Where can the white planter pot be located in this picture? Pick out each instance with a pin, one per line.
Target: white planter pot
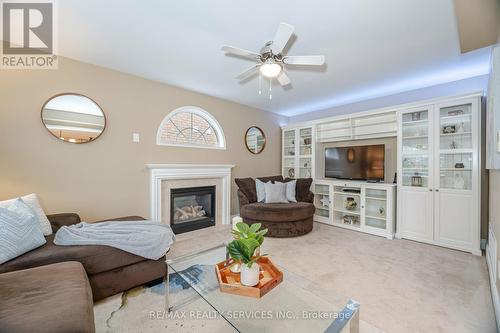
(250, 276)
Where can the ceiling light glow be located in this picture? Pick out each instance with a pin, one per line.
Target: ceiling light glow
(270, 69)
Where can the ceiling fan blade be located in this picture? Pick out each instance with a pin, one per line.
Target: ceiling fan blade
(249, 72)
(282, 37)
(240, 52)
(283, 79)
(304, 60)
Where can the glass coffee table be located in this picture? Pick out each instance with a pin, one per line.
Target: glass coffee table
(295, 305)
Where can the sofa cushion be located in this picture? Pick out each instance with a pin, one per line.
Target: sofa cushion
(302, 189)
(95, 258)
(278, 212)
(53, 299)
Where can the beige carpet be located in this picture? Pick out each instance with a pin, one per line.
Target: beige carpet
(402, 286)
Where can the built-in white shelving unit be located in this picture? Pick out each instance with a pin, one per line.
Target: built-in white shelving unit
(439, 169)
(360, 206)
(359, 126)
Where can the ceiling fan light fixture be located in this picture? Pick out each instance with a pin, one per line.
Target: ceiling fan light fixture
(270, 69)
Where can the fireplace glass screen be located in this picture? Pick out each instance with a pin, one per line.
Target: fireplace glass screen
(192, 208)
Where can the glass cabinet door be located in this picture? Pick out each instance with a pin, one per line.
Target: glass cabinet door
(375, 208)
(415, 148)
(306, 141)
(305, 152)
(289, 145)
(455, 147)
(322, 200)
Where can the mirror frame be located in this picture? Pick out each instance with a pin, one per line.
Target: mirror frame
(263, 134)
(76, 94)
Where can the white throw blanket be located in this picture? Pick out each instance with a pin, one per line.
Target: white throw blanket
(143, 238)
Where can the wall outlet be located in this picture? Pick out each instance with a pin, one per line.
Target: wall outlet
(136, 137)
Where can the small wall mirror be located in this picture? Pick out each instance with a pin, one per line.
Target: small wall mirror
(73, 118)
(255, 140)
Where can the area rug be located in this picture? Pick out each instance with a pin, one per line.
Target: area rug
(143, 309)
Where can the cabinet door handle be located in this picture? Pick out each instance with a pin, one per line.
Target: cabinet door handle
(430, 190)
(437, 190)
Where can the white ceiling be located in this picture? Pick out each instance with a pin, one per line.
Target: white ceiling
(372, 47)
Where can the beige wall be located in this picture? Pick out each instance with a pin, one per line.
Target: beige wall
(108, 177)
(390, 154)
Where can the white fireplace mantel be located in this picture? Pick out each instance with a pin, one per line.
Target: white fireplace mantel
(165, 172)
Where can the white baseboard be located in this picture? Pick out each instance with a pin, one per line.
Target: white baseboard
(493, 266)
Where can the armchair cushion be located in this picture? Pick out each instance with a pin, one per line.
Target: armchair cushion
(303, 189)
(242, 198)
(248, 187)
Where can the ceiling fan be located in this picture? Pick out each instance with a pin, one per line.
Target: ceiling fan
(271, 61)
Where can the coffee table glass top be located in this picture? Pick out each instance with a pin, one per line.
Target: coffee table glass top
(294, 305)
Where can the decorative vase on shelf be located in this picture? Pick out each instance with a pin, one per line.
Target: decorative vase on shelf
(250, 276)
(350, 203)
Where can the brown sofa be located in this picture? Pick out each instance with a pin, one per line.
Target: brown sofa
(109, 270)
(281, 219)
(53, 298)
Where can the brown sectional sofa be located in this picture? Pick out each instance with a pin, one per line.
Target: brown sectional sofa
(109, 270)
(281, 219)
(52, 288)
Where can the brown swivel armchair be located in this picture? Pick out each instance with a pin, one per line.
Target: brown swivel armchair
(281, 219)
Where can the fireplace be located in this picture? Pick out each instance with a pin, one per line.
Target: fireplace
(192, 208)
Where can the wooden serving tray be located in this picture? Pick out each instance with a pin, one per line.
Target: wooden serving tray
(229, 282)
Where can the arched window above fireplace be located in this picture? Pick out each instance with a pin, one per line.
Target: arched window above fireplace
(190, 126)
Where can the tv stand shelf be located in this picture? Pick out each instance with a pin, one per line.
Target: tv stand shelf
(372, 210)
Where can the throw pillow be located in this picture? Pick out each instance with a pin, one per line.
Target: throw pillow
(247, 186)
(290, 191)
(19, 231)
(271, 179)
(261, 190)
(302, 189)
(32, 201)
(276, 193)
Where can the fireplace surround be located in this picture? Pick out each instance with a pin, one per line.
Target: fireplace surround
(163, 177)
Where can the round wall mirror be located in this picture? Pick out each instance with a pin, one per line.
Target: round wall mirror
(73, 118)
(255, 140)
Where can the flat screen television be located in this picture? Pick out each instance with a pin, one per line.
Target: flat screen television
(356, 162)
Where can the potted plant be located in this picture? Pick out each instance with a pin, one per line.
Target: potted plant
(243, 230)
(244, 249)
